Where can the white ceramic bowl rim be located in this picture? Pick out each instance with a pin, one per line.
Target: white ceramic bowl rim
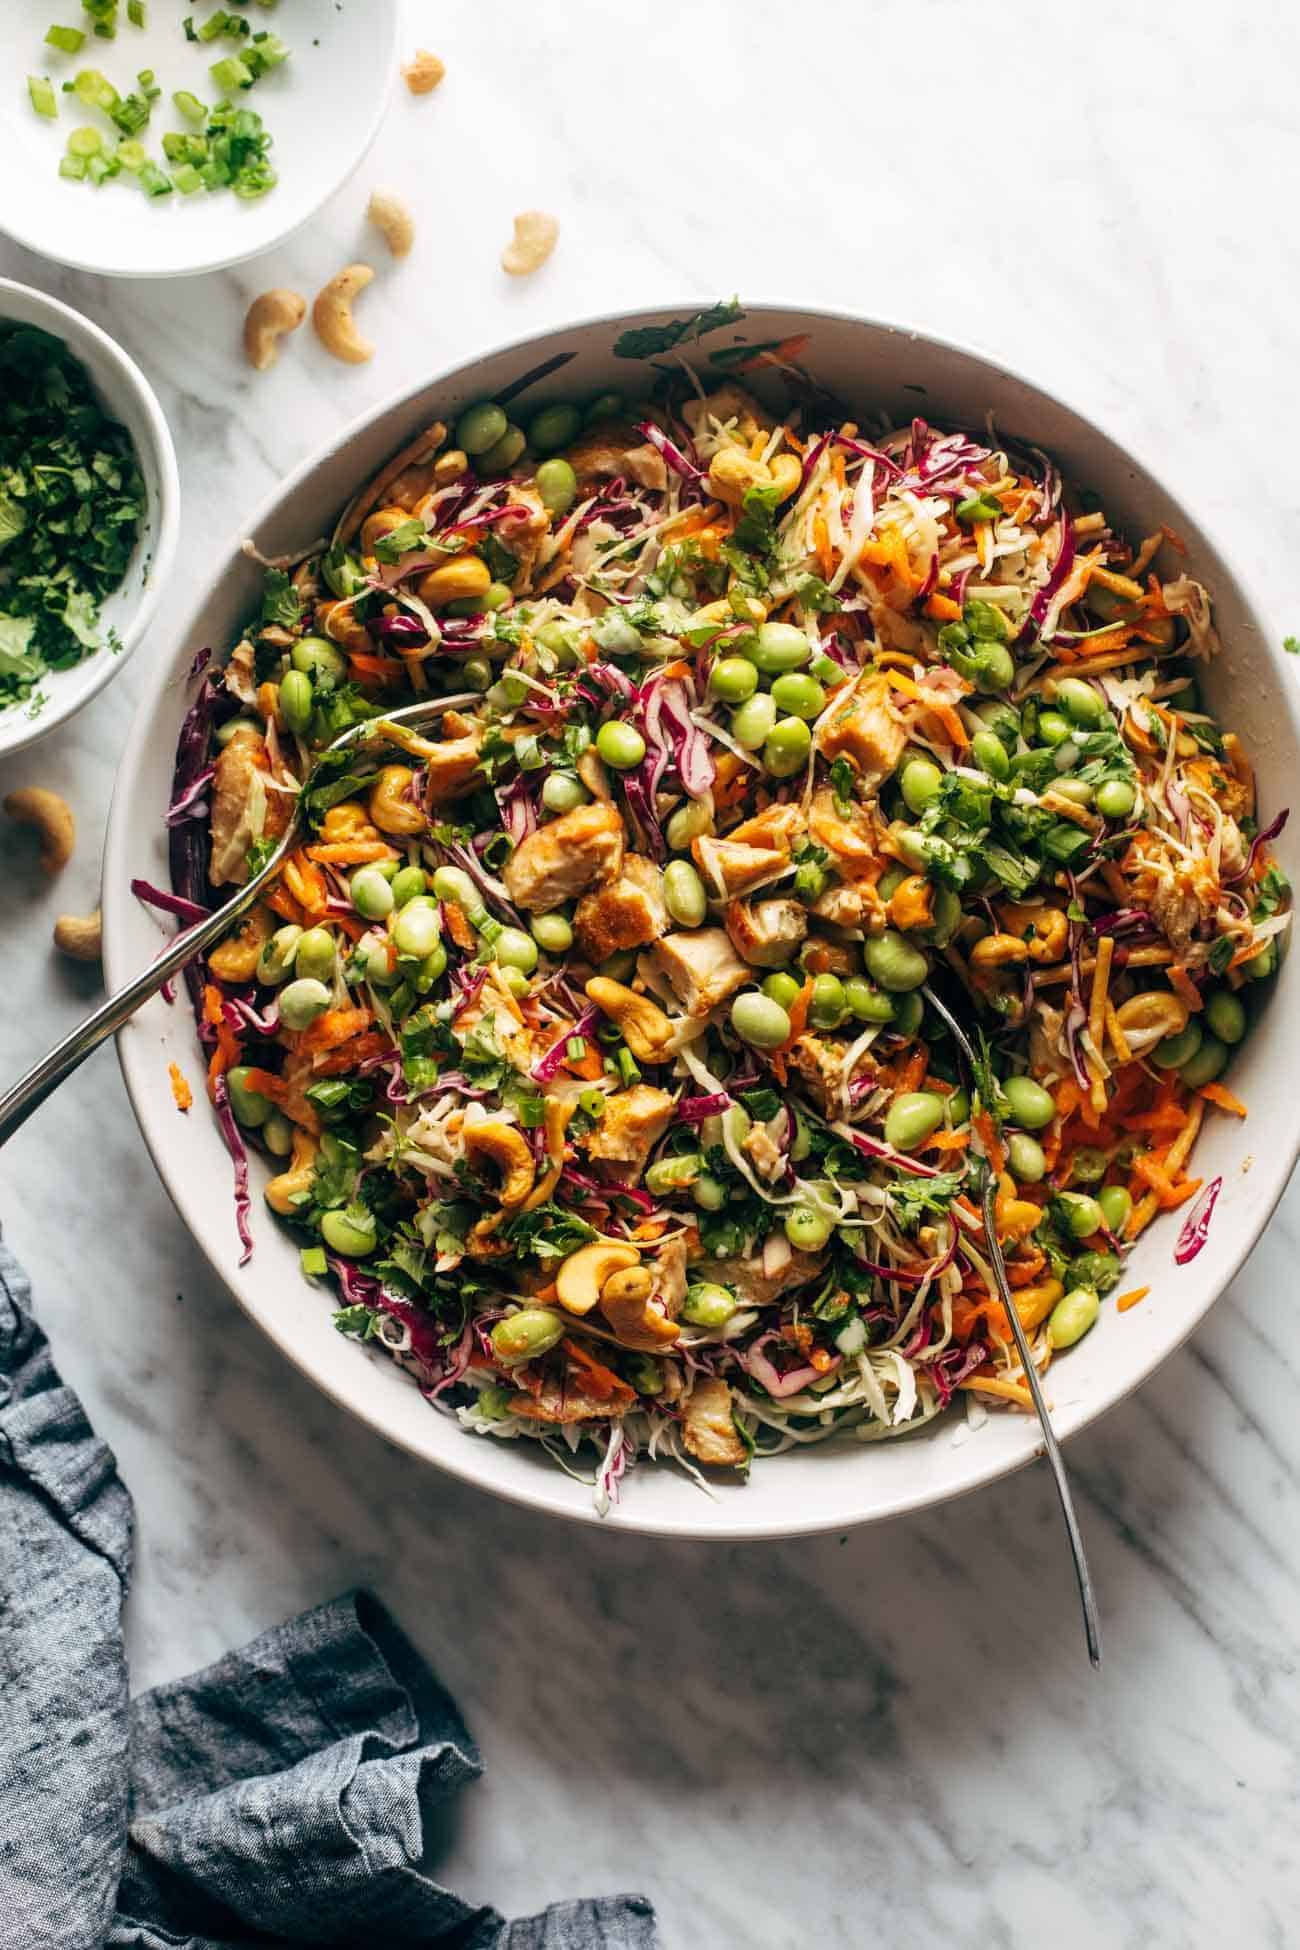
(756, 1511)
(75, 687)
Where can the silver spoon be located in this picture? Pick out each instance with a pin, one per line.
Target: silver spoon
(22, 1098)
(989, 1191)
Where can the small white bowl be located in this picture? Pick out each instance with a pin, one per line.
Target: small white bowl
(323, 108)
(126, 394)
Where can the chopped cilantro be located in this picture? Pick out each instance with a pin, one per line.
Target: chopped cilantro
(911, 1198)
(281, 602)
(644, 341)
(1292, 645)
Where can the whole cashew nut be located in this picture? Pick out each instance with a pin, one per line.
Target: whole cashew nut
(284, 1193)
(265, 323)
(50, 817)
(534, 239)
(393, 220)
(423, 73)
(390, 810)
(507, 1148)
(332, 319)
(79, 935)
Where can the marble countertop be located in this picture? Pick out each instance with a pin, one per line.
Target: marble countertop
(891, 1735)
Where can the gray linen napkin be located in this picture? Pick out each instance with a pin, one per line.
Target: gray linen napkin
(281, 1796)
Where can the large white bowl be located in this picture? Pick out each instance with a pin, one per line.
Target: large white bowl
(323, 109)
(126, 394)
(874, 366)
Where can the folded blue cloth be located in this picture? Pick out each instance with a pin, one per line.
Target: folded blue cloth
(280, 1796)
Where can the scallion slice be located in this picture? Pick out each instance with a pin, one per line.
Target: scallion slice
(44, 100)
(69, 40)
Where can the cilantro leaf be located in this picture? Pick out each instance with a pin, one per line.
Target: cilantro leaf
(911, 1198)
(281, 602)
(644, 341)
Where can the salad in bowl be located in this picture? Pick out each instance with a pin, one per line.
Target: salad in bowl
(587, 1034)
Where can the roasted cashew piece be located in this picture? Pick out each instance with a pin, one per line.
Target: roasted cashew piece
(582, 1277)
(267, 320)
(732, 474)
(1148, 1018)
(393, 220)
(997, 951)
(236, 959)
(1045, 929)
(534, 240)
(423, 73)
(281, 1192)
(506, 1147)
(331, 315)
(79, 935)
(390, 810)
(50, 817)
(646, 1029)
(555, 1124)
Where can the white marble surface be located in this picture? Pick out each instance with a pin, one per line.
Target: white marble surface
(891, 1736)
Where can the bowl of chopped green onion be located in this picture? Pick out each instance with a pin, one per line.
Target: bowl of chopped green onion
(89, 511)
(154, 142)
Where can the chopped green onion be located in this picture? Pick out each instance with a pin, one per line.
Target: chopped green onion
(148, 85)
(575, 1049)
(231, 72)
(85, 143)
(43, 97)
(129, 114)
(313, 1262)
(189, 106)
(267, 52)
(104, 15)
(69, 40)
(93, 89)
(181, 148)
(627, 1068)
(99, 169)
(187, 179)
(74, 167)
(135, 13)
(154, 182)
(132, 156)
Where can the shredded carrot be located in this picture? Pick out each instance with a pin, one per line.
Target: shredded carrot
(598, 1380)
(783, 354)
(822, 548)
(799, 1014)
(458, 926)
(942, 710)
(1100, 985)
(590, 1066)
(692, 520)
(650, 1229)
(1141, 1216)
(944, 1141)
(1131, 1298)
(1174, 539)
(912, 1074)
(1115, 1029)
(942, 608)
(265, 1083)
(1184, 987)
(284, 904)
(1004, 1391)
(1214, 1093)
(306, 883)
(989, 1138)
(368, 669)
(181, 1092)
(226, 1054)
(351, 853)
(334, 1027)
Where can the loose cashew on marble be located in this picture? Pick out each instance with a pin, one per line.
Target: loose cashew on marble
(535, 238)
(332, 319)
(79, 935)
(393, 219)
(423, 72)
(267, 320)
(50, 817)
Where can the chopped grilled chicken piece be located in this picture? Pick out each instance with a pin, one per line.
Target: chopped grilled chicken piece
(525, 539)
(610, 448)
(702, 966)
(776, 826)
(764, 1153)
(851, 904)
(627, 913)
(565, 857)
(767, 932)
(866, 732)
(245, 807)
(707, 1426)
(755, 1287)
(729, 867)
(851, 836)
(633, 1123)
(453, 769)
(584, 1390)
(670, 1276)
(730, 407)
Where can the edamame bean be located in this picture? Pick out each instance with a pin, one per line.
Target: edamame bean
(920, 784)
(947, 917)
(786, 749)
(416, 931)
(992, 666)
(806, 1229)
(515, 949)
(1083, 1214)
(302, 1002)
(557, 484)
(827, 1006)
(408, 884)
(865, 1000)
(552, 932)
(1088, 1165)
(276, 958)
(562, 792)
(605, 406)
(1053, 729)
(560, 638)
(684, 895)
(894, 963)
(250, 1106)
(708, 1305)
(620, 967)
(687, 823)
(709, 1193)
(733, 679)
(645, 1374)
(781, 987)
(553, 427)
(752, 722)
(296, 700)
(1026, 1158)
(615, 634)
(958, 1109)
(480, 427)
(801, 1143)
(1079, 702)
(1116, 1205)
(802, 696)
(908, 1011)
(825, 669)
(913, 1117)
(376, 964)
(316, 955)
(454, 884)
(1028, 1104)
(1262, 965)
(476, 674)
(525, 1335)
(1225, 1015)
(1174, 1051)
(990, 754)
(1100, 1271)
(673, 1174)
(503, 453)
(1115, 798)
(758, 1020)
(1210, 1059)
(372, 896)
(777, 647)
(620, 745)
(1072, 1316)
(1077, 790)
(510, 978)
(319, 659)
(339, 1233)
(277, 1135)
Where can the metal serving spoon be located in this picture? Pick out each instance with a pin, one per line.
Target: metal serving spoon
(989, 1190)
(22, 1098)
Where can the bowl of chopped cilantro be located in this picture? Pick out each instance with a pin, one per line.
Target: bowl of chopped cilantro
(89, 502)
(153, 140)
